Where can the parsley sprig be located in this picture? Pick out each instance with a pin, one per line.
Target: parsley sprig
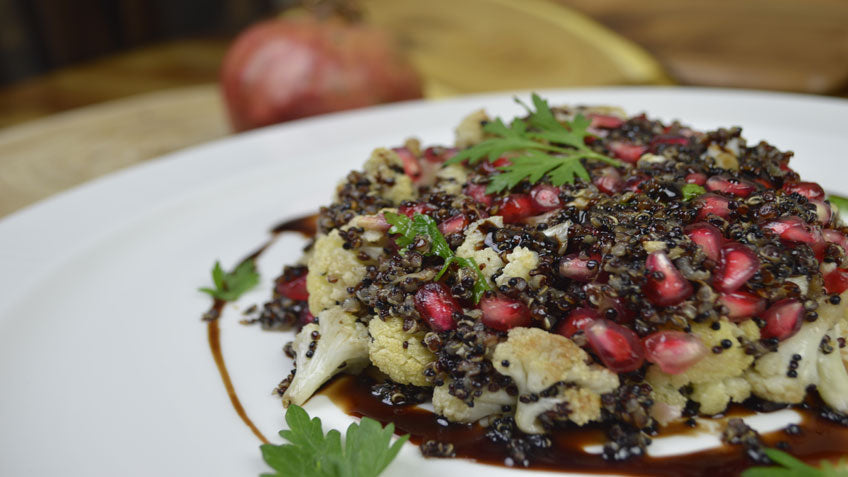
(424, 225)
(789, 466)
(231, 285)
(545, 147)
(367, 450)
(692, 191)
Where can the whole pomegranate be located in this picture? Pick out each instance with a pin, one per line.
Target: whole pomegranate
(292, 67)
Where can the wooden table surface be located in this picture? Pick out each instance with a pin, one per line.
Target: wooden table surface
(168, 99)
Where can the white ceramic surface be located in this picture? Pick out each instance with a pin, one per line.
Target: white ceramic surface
(104, 363)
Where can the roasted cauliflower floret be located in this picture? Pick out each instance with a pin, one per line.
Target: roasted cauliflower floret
(475, 247)
(341, 344)
(713, 377)
(457, 410)
(398, 353)
(769, 376)
(332, 270)
(450, 179)
(519, 264)
(470, 129)
(552, 374)
(385, 168)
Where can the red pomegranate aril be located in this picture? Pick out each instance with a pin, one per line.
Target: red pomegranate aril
(605, 121)
(665, 285)
(294, 289)
(453, 225)
(411, 166)
(707, 237)
(439, 154)
(713, 204)
(667, 139)
(515, 207)
(737, 265)
(836, 281)
(492, 167)
(794, 229)
(783, 319)
(582, 269)
(673, 351)
(730, 185)
(608, 180)
(503, 313)
(478, 193)
(837, 237)
(577, 320)
(410, 210)
(306, 317)
(742, 305)
(810, 190)
(545, 198)
(634, 183)
(434, 303)
(696, 178)
(618, 347)
(823, 211)
(627, 152)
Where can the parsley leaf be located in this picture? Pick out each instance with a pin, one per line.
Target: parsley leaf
(547, 148)
(231, 285)
(367, 451)
(791, 467)
(424, 225)
(691, 191)
(841, 203)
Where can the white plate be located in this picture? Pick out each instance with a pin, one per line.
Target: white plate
(104, 363)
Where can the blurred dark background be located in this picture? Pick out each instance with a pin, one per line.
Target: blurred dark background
(37, 36)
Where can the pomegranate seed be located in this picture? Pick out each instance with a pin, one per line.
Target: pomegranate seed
(439, 154)
(730, 185)
(618, 347)
(626, 151)
(411, 166)
(453, 225)
(696, 178)
(582, 269)
(634, 183)
(410, 210)
(373, 222)
(763, 182)
(515, 207)
(823, 211)
(742, 305)
(783, 319)
(836, 281)
(545, 198)
(673, 351)
(707, 237)
(608, 180)
(835, 236)
(810, 190)
(605, 121)
(713, 204)
(667, 139)
(294, 289)
(737, 264)
(306, 317)
(492, 167)
(502, 313)
(794, 229)
(576, 321)
(435, 304)
(478, 193)
(665, 286)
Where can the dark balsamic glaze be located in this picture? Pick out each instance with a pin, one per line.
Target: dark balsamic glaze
(306, 226)
(819, 438)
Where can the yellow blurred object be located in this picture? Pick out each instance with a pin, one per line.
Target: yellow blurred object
(491, 45)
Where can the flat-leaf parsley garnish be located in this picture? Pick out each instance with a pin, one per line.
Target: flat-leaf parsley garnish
(691, 191)
(424, 225)
(544, 145)
(367, 451)
(231, 285)
(792, 467)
